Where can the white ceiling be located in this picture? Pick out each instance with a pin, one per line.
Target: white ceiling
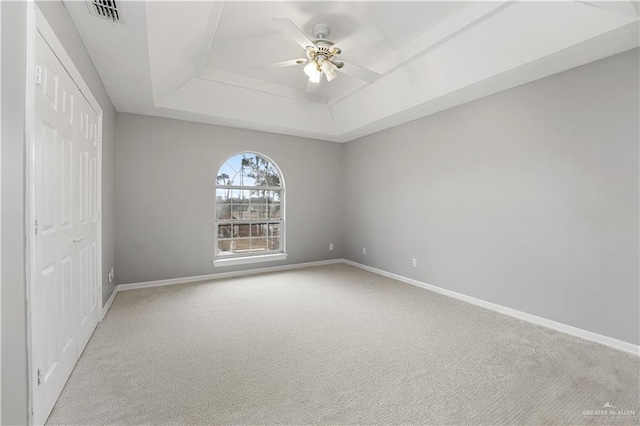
(195, 60)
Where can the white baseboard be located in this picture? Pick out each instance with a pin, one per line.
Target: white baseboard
(564, 328)
(159, 283)
(106, 307)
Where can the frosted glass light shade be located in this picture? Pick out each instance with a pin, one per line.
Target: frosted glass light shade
(311, 70)
(329, 70)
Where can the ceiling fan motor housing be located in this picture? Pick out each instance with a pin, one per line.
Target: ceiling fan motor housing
(320, 30)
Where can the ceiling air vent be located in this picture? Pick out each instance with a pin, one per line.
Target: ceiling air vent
(107, 9)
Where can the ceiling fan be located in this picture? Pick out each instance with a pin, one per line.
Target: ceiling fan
(323, 57)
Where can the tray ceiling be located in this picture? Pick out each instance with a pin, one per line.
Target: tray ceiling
(195, 60)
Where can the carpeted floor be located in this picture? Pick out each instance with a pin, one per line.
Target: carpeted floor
(335, 345)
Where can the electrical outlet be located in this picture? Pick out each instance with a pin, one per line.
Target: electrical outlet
(414, 262)
(330, 246)
(111, 276)
(364, 250)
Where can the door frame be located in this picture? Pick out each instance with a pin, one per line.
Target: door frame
(37, 24)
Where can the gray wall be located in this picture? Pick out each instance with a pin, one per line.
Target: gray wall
(165, 186)
(14, 31)
(14, 326)
(527, 198)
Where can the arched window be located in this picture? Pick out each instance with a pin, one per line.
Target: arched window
(249, 210)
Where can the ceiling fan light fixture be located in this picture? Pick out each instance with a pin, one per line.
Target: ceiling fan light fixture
(312, 71)
(329, 70)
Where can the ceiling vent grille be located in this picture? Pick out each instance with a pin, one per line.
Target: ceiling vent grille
(107, 9)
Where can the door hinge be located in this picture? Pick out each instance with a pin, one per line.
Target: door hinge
(99, 140)
(38, 74)
(99, 216)
(36, 226)
(39, 376)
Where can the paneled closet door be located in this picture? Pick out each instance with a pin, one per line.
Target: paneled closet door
(64, 299)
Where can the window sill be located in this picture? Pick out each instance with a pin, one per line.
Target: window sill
(249, 259)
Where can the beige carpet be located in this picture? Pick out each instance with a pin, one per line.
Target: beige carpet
(334, 345)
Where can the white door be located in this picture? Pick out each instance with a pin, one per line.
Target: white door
(64, 280)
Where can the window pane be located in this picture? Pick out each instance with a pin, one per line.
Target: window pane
(272, 179)
(267, 197)
(261, 180)
(224, 231)
(224, 247)
(248, 179)
(251, 213)
(257, 196)
(240, 245)
(240, 211)
(277, 197)
(274, 244)
(258, 244)
(224, 175)
(272, 197)
(274, 229)
(223, 195)
(243, 177)
(223, 211)
(259, 230)
(275, 212)
(241, 231)
(260, 211)
(235, 178)
(240, 196)
(271, 174)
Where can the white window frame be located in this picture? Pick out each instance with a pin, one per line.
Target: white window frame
(249, 258)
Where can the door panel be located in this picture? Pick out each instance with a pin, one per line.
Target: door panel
(67, 304)
(66, 180)
(83, 167)
(45, 153)
(50, 75)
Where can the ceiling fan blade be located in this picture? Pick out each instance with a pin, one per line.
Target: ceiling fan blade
(282, 64)
(296, 33)
(368, 36)
(357, 71)
(312, 87)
